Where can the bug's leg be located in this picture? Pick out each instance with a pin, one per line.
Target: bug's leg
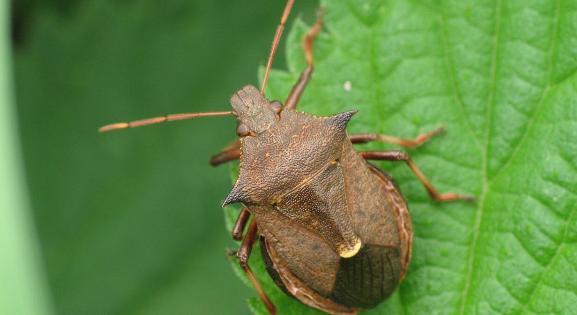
(402, 156)
(298, 89)
(243, 254)
(240, 223)
(225, 156)
(407, 143)
(230, 153)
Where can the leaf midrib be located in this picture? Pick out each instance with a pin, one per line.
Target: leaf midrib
(485, 162)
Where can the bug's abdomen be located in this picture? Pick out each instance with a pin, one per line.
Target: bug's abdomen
(361, 282)
(368, 278)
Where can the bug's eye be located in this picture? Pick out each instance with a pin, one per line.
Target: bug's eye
(276, 106)
(242, 130)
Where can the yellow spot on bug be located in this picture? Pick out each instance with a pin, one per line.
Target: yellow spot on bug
(348, 253)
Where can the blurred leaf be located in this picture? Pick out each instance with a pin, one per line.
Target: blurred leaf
(22, 283)
(500, 75)
(130, 222)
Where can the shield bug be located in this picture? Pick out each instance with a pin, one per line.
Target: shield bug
(334, 230)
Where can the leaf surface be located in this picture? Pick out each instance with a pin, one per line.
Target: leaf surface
(23, 287)
(130, 222)
(500, 76)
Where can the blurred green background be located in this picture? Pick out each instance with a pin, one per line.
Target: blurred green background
(129, 222)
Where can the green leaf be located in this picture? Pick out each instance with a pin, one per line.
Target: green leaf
(22, 283)
(130, 222)
(500, 75)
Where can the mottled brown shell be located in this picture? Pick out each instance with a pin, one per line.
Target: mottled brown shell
(309, 271)
(292, 168)
(335, 230)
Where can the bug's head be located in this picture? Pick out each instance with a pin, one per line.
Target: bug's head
(254, 113)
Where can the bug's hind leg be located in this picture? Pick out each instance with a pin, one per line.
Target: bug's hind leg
(243, 254)
(407, 143)
(298, 89)
(402, 156)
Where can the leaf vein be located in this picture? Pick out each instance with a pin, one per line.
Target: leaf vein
(546, 90)
(479, 215)
(451, 71)
(551, 261)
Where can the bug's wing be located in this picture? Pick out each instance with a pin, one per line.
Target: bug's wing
(305, 253)
(373, 202)
(293, 285)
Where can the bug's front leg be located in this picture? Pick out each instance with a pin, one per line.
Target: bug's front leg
(230, 153)
(243, 254)
(298, 89)
(240, 224)
(402, 156)
(407, 143)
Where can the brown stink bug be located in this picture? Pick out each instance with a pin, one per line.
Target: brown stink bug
(335, 231)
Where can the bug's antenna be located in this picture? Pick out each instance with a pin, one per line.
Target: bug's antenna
(160, 119)
(277, 35)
